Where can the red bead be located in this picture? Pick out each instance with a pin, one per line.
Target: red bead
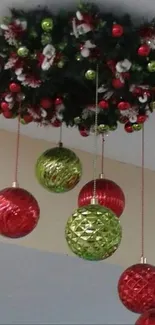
(84, 132)
(19, 212)
(56, 123)
(4, 106)
(136, 288)
(15, 87)
(8, 114)
(148, 318)
(117, 30)
(117, 83)
(58, 101)
(128, 127)
(103, 104)
(141, 118)
(46, 103)
(144, 50)
(123, 106)
(108, 193)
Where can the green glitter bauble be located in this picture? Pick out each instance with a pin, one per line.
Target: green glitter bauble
(58, 170)
(93, 232)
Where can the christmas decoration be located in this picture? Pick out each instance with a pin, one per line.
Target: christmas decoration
(136, 288)
(58, 170)
(93, 232)
(108, 194)
(44, 64)
(19, 212)
(148, 318)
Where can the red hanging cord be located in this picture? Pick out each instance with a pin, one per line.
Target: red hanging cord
(143, 259)
(15, 183)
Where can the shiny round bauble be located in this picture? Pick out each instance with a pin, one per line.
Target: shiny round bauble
(151, 66)
(102, 128)
(123, 106)
(148, 318)
(19, 212)
(47, 24)
(26, 119)
(117, 30)
(113, 127)
(108, 194)
(141, 119)
(128, 127)
(117, 83)
(137, 127)
(9, 114)
(5, 106)
(90, 74)
(56, 123)
(58, 170)
(77, 120)
(58, 101)
(136, 288)
(46, 103)
(61, 64)
(84, 132)
(15, 87)
(144, 50)
(46, 39)
(103, 104)
(93, 232)
(23, 51)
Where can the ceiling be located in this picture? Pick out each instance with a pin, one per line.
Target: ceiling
(119, 145)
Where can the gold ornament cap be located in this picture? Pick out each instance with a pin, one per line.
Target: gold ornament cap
(101, 176)
(143, 260)
(94, 200)
(15, 184)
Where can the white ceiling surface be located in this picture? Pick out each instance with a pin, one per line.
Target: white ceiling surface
(119, 145)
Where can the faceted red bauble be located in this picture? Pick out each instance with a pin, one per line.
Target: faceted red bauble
(103, 104)
(148, 318)
(136, 288)
(123, 106)
(27, 118)
(8, 114)
(46, 103)
(128, 127)
(19, 212)
(141, 118)
(5, 106)
(56, 123)
(84, 132)
(144, 50)
(117, 83)
(15, 87)
(117, 30)
(108, 193)
(58, 101)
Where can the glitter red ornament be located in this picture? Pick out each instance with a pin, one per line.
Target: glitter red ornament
(148, 318)
(27, 118)
(144, 50)
(117, 30)
(123, 106)
(56, 123)
(15, 87)
(117, 83)
(141, 118)
(103, 104)
(8, 114)
(136, 288)
(108, 194)
(84, 132)
(46, 103)
(19, 212)
(128, 127)
(5, 106)
(58, 101)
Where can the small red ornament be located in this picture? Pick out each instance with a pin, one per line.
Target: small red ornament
(141, 118)
(19, 212)
(103, 104)
(128, 127)
(144, 50)
(58, 101)
(8, 114)
(5, 106)
(84, 132)
(137, 91)
(108, 193)
(56, 123)
(148, 318)
(123, 106)
(15, 87)
(117, 83)
(136, 288)
(27, 118)
(46, 103)
(117, 30)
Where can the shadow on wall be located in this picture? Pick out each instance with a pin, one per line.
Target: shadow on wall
(44, 288)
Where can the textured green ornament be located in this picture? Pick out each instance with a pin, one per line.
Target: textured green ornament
(93, 232)
(151, 66)
(137, 127)
(90, 74)
(23, 51)
(61, 64)
(113, 127)
(102, 128)
(77, 120)
(58, 170)
(47, 24)
(33, 33)
(62, 45)
(46, 39)
(152, 105)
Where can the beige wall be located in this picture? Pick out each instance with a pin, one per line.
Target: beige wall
(56, 208)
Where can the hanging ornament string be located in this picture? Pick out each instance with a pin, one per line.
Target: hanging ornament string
(102, 157)
(60, 139)
(143, 259)
(95, 138)
(15, 183)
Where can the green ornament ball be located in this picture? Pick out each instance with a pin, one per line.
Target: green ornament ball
(78, 57)
(93, 232)
(103, 128)
(151, 66)
(47, 24)
(23, 51)
(77, 120)
(58, 170)
(46, 39)
(137, 127)
(60, 64)
(113, 127)
(90, 74)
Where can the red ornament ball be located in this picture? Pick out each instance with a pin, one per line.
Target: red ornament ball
(5, 106)
(103, 104)
(15, 87)
(123, 106)
(19, 212)
(128, 127)
(8, 114)
(136, 288)
(84, 132)
(141, 118)
(108, 193)
(56, 123)
(148, 318)
(58, 101)
(117, 30)
(144, 50)
(27, 118)
(117, 83)
(46, 103)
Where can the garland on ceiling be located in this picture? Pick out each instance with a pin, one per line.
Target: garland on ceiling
(48, 62)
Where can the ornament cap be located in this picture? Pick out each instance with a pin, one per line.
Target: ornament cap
(101, 176)
(94, 200)
(60, 144)
(15, 184)
(143, 260)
